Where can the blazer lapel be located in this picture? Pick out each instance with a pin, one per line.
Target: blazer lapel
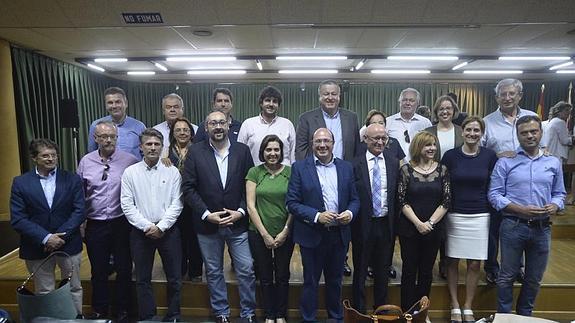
(319, 121)
(60, 186)
(212, 163)
(37, 190)
(365, 177)
(232, 163)
(310, 166)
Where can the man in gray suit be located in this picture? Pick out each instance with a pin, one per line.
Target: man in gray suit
(341, 122)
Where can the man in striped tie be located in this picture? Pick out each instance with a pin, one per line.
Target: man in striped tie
(376, 174)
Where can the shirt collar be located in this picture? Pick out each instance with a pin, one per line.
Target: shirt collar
(318, 162)
(264, 120)
(521, 151)
(371, 156)
(155, 167)
(227, 147)
(50, 174)
(326, 115)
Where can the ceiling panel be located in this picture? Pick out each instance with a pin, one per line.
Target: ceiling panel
(346, 12)
(295, 11)
(287, 39)
(89, 13)
(242, 12)
(159, 37)
(31, 13)
(218, 40)
(450, 11)
(426, 38)
(393, 12)
(253, 38)
(380, 39)
(31, 39)
(338, 38)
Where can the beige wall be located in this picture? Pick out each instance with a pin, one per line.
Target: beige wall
(10, 157)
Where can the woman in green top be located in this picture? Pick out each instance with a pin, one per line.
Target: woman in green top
(269, 235)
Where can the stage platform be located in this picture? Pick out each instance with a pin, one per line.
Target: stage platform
(556, 299)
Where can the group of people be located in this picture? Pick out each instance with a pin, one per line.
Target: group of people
(263, 185)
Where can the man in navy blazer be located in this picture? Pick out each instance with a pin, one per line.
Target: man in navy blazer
(47, 209)
(372, 230)
(323, 199)
(214, 187)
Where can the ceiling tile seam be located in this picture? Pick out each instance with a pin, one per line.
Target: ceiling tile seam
(184, 38)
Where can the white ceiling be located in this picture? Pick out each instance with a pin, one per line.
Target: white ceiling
(477, 31)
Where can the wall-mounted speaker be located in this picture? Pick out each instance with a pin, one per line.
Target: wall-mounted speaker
(69, 113)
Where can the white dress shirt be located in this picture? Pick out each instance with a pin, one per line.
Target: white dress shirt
(396, 127)
(151, 195)
(556, 138)
(254, 130)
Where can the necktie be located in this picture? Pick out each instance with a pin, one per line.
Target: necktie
(376, 188)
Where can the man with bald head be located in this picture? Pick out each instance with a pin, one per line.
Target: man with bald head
(376, 174)
(214, 187)
(323, 199)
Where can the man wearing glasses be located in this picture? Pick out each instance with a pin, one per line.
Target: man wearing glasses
(501, 136)
(107, 231)
(406, 123)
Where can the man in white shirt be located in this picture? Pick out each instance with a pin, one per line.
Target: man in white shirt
(405, 124)
(150, 198)
(268, 122)
(173, 108)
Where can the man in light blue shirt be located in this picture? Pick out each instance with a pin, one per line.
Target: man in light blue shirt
(129, 129)
(501, 136)
(527, 189)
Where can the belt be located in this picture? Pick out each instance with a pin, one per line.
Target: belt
(332, 228)
(379, 218)
(545, 222)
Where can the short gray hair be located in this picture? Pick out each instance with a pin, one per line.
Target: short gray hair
(508, 82)
(173, 96)
(327, 82)
(410, 89)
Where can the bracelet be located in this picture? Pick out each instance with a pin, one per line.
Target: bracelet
(286, 227)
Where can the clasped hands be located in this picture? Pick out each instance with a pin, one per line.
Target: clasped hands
(154, 232)
(535, 211)
(279, 240)
(55, 242)
(224, 218)
(328, 218)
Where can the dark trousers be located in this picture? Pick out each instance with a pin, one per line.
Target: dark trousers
(104, 238)
(418, 255)
(143, 251)
(327, 257)
(491, 265)
(192, 261)
(272, 264)
(373, 249)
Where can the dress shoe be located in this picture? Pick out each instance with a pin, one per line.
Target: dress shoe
(80, 316)
(270, 321)
(281, 320)
(346, 269)
(249, 319)
(122, 317)
(370, 273)
(491, 278)
(392, 273)
(95, 316)
(222, 319)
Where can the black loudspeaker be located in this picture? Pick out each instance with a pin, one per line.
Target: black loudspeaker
(69, 113)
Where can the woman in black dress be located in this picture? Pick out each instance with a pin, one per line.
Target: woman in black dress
(424, 198)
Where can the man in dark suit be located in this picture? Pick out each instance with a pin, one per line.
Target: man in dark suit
(214, 187)
(323, 199)
(47, 209)
(342, 123)
(222, 101)
(376, 174)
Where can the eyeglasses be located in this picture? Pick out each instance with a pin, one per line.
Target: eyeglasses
(376, 139)
(105, 174)
(511, 95)
(215, 123)
(106, 137)
(184, 130)
(406, 135)
(322, 141)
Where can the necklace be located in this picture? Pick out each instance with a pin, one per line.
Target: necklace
(426, 170)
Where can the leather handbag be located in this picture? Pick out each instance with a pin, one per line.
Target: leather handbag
(57, 304)
(388, 313)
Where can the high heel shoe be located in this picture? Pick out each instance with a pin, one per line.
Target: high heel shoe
(468, 316)
(456, 315)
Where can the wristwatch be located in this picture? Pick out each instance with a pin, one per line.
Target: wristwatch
(432, 223)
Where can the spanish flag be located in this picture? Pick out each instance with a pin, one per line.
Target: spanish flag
(541, 105)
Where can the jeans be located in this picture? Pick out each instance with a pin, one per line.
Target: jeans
(272, 264)
(516, 238)
(212, 247)
(491, 265)
(143, 251)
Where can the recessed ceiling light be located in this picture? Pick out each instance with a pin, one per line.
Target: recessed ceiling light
(492, 72)
(200, 58)
(96, 67)
(141, 73)
(111, 60)
(160, 66)
(423, 58)
(458, 66)
(533, 58)
(400, 71)
(307, 71)
(202, 32)
(217, 72)
(310, 58)
(554, 67)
